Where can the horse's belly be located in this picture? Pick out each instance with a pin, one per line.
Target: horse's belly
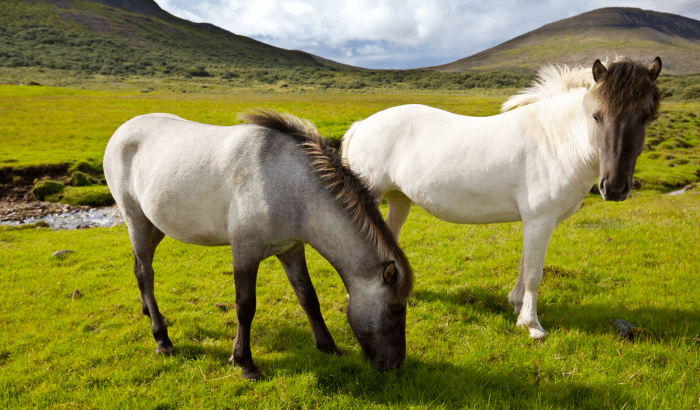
(188, 216)
(474, 209)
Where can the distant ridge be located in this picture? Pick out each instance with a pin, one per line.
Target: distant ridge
(634, 33)
(145, 7)
(128, 36)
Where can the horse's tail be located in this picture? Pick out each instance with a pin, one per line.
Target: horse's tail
(115, 213)
(345, 142)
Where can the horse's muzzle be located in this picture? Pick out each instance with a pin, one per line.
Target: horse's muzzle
(614, 191)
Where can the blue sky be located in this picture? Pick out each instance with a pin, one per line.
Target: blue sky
(394, 34)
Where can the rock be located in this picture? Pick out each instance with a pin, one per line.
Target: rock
(61, 254)
(628, 331)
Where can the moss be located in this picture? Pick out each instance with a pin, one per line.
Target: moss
(78, 178)
(85, 167)
(35, 225)
(89, 195)
(47, 187)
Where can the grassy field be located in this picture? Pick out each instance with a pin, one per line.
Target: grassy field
(635, 260)
(50, 125)
(53, 125)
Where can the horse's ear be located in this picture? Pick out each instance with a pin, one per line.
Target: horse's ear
(654, 68)
(598, 70)
(389, 272)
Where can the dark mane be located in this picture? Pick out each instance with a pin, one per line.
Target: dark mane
(349, 190)
(627, 86)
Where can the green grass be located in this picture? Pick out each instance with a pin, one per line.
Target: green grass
(48, 125)
(635, 260)
(95, 195)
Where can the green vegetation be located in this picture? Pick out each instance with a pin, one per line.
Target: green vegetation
(46, 125)
(635, 260)
(84, 195)
(42, 189)
(90, 37)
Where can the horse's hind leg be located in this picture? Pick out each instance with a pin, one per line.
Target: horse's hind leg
(145, 237)
(515, 297)
(399, 207)
(294, 263)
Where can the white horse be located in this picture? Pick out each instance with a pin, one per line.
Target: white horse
(264, 189)
(535, 163)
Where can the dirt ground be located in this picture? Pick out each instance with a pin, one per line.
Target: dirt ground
(17, 202)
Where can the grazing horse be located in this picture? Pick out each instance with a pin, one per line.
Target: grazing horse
(535, 163)
(264, 188)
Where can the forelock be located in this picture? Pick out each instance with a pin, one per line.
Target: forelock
(625, 87)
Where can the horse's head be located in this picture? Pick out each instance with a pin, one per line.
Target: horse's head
(377, 315)
(627, 99)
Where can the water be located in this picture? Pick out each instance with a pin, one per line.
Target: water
(96, 217)
(680, 191)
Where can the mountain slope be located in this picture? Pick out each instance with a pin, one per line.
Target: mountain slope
(580, 40)
(126, 37)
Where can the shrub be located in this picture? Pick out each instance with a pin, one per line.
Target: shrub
(44, 188)
(92, 196)
(692, 92)
(77, 178)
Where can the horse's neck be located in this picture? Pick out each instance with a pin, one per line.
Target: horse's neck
(339, 240)
(561, 123)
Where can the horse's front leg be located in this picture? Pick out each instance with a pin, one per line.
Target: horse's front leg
(536, 236)
(245, 273)
(294, 263)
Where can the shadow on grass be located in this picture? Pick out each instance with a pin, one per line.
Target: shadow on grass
(665, 324)
(433, 384)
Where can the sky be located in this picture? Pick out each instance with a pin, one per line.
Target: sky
(394, 34)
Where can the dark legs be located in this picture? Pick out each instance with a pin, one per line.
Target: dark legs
(145, 237)
(245, 273)
(294, 263)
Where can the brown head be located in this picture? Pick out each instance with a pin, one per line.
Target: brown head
(377, 297)
(627, 101)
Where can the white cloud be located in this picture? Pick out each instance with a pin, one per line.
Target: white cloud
(388, 32)
(298, 8)
(176, 10)
(370, 49)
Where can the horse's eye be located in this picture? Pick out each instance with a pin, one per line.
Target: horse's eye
(644, 118)
(397, 310)
(596, 117)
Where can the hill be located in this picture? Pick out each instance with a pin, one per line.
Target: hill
(128, 37)
(580, 40)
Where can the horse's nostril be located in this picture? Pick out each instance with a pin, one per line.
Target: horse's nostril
(601, 186)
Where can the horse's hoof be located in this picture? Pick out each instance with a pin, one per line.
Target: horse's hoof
(165, 350)
(536, 330)
(252, 375)
(538, 334)
(330, 349)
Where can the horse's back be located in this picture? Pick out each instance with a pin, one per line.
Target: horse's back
(198, 183)
(444, 162)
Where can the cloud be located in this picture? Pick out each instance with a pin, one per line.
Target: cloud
(298, 8)
(176, 10)
(371, 49)
(386, 33)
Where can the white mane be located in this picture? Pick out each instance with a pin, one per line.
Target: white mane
(551, 80)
